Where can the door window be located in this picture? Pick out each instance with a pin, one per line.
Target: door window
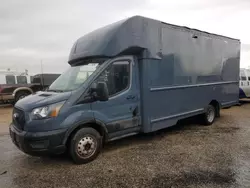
(117, 77)
(10, 79)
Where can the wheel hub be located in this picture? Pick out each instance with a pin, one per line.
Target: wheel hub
(210, 115)
(86, 147)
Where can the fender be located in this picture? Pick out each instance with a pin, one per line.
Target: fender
(80, 123)
(22, 89)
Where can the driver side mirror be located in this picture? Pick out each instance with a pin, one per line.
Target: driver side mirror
(101, 90)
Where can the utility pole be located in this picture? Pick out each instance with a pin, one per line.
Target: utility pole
(42, 79)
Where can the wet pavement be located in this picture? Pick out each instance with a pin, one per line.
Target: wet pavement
(186, 155)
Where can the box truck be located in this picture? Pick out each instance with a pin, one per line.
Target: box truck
(148, 75)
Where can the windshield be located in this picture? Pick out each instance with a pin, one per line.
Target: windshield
(73, 78)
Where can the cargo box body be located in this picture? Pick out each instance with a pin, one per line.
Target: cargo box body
(194, 69)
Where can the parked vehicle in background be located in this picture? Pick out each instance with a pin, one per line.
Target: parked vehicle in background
(14, 77)
(17, 85)
(244, 83)
(44, 80)
(148, 75)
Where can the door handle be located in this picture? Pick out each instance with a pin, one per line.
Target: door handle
(130, 97)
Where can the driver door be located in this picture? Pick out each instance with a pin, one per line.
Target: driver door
(121, 112)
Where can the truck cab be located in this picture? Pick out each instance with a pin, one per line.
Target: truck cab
(102, 97)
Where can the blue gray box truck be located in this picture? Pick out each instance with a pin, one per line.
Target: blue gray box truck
(134, 76)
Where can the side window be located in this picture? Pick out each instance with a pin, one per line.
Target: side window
(244, 78)
(10, 79)
(21, 79)
(36, 80)
(116, 76)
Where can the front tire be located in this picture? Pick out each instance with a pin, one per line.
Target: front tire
(21, 95)
(209, 116)
(85, 145)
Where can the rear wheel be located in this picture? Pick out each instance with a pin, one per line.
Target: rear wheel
(85, 145)
(209, 116)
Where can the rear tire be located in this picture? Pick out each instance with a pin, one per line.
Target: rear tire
(209, 115)
(85, 145)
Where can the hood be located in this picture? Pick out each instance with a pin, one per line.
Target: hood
(41, 99)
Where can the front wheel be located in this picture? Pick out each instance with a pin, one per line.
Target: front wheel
(209, 116)
(85, 145)
(20, 95)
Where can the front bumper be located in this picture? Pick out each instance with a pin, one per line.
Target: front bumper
(38, 143)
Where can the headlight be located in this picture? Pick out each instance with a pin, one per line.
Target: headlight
(47, 111)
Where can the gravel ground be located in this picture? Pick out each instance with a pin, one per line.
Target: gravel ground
(5, 118)
(186, 155)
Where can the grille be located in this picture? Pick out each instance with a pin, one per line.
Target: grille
(18, 118)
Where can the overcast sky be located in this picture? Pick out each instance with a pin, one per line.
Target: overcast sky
(34, 31)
